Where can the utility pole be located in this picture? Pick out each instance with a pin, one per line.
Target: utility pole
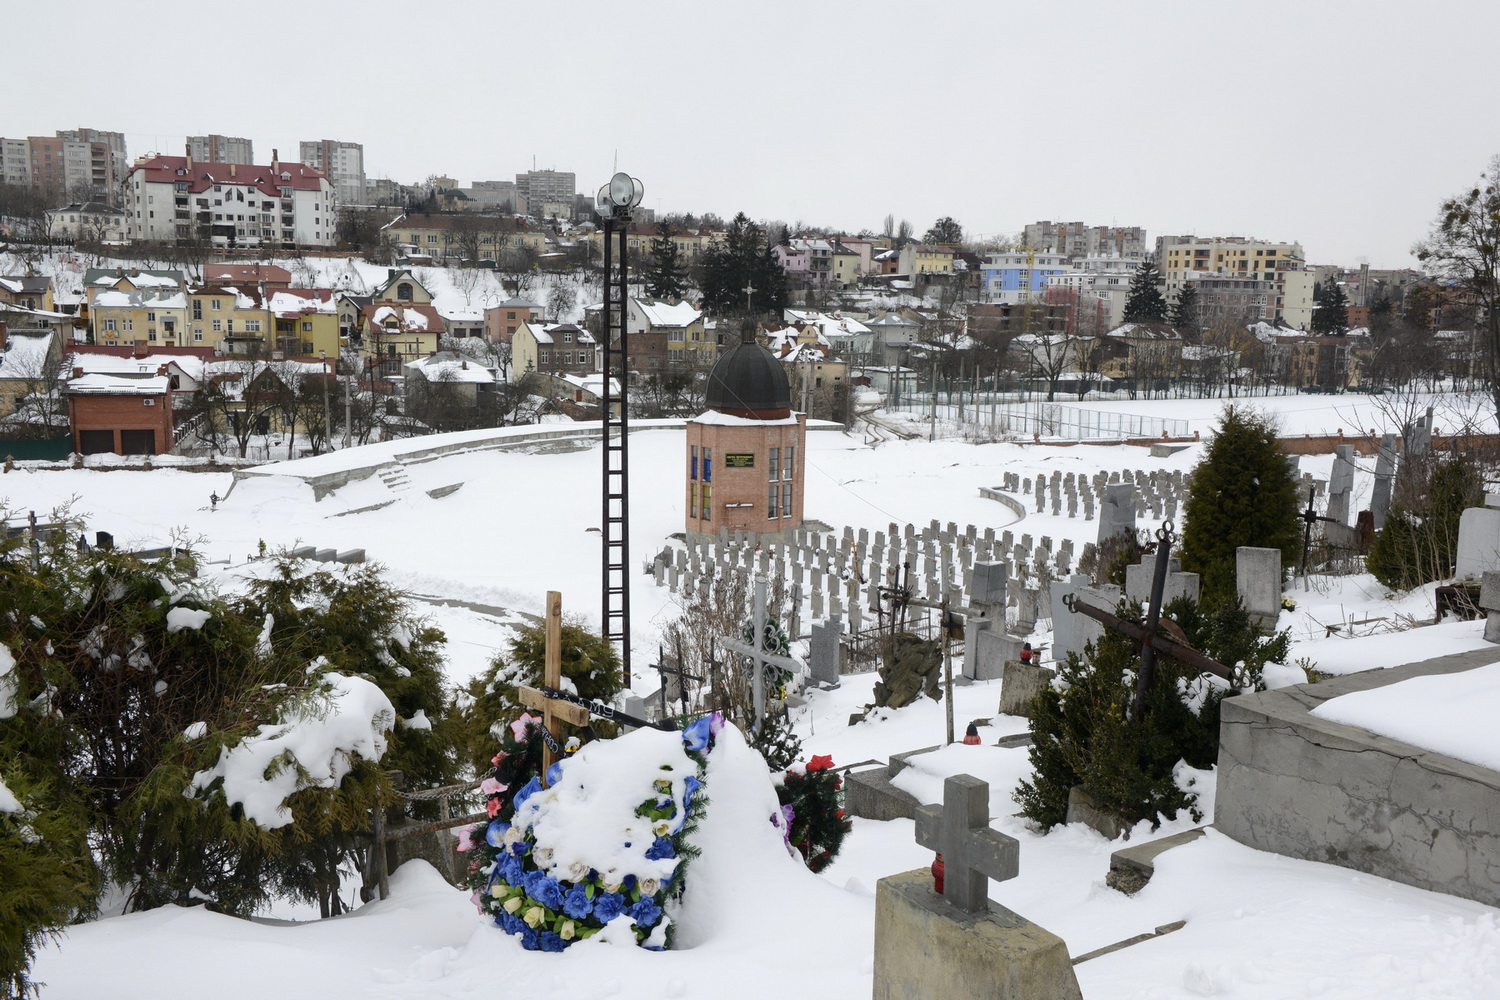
(348, 408)
(932, 431)
(327, 414)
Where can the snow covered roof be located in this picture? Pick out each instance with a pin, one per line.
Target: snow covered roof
(666, 314)
(110, 364)
(296, 301)
(409, 317)
(119, 385)
(1144, 331)
(139, 299)
(444, 367)
(24, 357)
(836, 325)
(718, 419)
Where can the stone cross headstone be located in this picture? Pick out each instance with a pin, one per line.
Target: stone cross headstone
(973, 853)
(959, 944)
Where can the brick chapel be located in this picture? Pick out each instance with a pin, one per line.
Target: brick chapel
(746, 453)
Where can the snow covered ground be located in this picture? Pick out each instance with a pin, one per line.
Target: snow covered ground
(1258, 925)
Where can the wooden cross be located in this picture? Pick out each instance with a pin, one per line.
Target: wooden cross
(972, 853)
(759, 652)
(1154, 635)
(1310, 517)
(664, 671)
(552, 708)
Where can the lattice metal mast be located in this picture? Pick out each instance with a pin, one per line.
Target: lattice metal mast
(614, 202)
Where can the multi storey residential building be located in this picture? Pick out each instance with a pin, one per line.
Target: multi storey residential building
(548, 192)
(92, 221)
(1016, 275)
(221, 149)
(119, 162)
(807, 263)
(923, 258)
(1280, 264)
(61, 168)
(1075, 239)
(343, 162)
(177, 197)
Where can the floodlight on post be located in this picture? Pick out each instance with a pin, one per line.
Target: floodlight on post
(614, 202)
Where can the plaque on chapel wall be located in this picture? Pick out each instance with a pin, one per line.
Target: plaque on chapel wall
(739, 460)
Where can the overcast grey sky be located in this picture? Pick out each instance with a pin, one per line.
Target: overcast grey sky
(1341, 125)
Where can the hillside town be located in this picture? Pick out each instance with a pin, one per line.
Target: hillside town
(238, 298)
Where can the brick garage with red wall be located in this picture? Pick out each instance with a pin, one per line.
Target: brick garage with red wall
(130, 419)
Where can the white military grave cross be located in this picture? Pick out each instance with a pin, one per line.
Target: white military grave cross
(761, 652)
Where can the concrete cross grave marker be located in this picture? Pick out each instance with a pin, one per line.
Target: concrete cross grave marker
(973, 853)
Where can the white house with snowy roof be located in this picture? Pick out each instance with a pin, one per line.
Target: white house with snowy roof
(173, 197)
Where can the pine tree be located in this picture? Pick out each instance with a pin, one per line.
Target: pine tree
(1243, 493)
(1331, 317)
(1185, 311)
(1145, 303)
(664, 278)
(742, 258)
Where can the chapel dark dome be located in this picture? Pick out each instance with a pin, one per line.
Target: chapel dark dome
(749, 381)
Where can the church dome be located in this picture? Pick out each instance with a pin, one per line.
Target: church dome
(749, 381)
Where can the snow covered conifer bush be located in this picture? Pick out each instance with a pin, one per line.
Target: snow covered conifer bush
(812, 807)
(130, 678)
(590, 665)
(1243, 493)
(1081, 735)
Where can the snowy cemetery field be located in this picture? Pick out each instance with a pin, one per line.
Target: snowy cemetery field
(480, 560)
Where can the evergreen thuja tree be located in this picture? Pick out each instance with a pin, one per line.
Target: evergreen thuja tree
(1243, 493)
(1145, 303)
(1331, 315)
(589, 662)
(665, 277)
(1184, 314)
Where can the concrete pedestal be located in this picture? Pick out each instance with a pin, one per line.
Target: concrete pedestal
(926, 947)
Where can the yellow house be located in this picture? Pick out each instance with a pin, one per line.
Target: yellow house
(230, 320)
(690, 245)
(687, 340)
(393, 331)
(923, 258)
(124, 317)
(465, 235)
(307, 322)
(31, 291)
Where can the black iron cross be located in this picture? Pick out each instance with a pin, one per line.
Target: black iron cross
(1309, 517)
(682, 676)
(972, 853)
(1151, 634)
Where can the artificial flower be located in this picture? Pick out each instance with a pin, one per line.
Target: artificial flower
(692, 785)
(493, 808)
(494, 834)
(513, 904)
(650, 886)
(534, 916)
(527, 791)
(518, 728)
(607, 906)
(576, 902)
(554, 773)
(659, 849)
(568, 930)
(820, 763)
(645, 912)
(550, 941)
(577, 871)
(489, 786)
(697, 735)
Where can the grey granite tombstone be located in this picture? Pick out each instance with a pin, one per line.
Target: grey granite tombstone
(1385, 474)
(823, 652)
(1117, 514)
(1257, 574)
(1178, 584)
(1341, 483)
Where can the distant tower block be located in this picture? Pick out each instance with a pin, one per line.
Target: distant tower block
(746, 453)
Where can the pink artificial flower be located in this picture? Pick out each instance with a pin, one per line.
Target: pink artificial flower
(498, 758)
(518, 728)
(492, 807)
(477, 905)
(489, 786)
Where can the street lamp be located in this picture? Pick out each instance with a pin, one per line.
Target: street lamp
(327, 416)
(614, 203)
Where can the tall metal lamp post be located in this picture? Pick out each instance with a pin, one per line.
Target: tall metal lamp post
(614, 204)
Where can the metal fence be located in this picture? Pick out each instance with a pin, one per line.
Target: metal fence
(1004, 416)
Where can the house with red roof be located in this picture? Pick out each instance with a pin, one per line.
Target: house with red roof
(235, 204)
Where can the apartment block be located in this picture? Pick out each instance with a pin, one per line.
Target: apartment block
(178, 197)
(221, 149)
(119, 161)
(1281, 265)
(1077, 239)
(63, 169)
(548, 192)
(343, 162)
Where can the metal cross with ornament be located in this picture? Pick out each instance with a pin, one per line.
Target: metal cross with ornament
(972, 853)
(766, 650)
